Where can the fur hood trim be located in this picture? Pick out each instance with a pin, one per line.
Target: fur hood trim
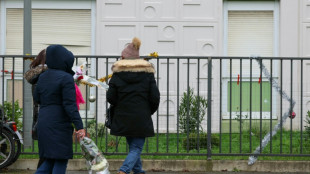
(32, 74)
(133, 65)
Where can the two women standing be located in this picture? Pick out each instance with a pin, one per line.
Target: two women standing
(132, 90)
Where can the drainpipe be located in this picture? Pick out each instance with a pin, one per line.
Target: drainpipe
(27, 98)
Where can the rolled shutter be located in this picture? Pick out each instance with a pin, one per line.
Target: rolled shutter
(250, 33)
(71, 28)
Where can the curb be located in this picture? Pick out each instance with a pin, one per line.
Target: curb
(186, 165)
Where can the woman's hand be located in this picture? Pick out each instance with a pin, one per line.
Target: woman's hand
(80, 134)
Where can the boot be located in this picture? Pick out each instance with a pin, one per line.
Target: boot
(121, 172)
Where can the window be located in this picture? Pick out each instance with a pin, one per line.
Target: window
(18, 91)
(250, 33)
(235, 101)
(250, 29)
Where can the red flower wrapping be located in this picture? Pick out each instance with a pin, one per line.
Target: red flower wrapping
(80, 77)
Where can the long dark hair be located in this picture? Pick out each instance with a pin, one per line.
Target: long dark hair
(40, 59)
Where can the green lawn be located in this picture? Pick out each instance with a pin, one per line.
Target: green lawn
(230, 144)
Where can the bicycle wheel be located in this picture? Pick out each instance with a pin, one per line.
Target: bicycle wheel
(7, 148)
(17, 151)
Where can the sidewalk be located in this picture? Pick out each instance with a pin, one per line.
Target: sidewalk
(114, 172)
(78, 166)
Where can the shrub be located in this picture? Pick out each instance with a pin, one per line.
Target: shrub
(91, 128)
(18, 113)
(196, 107)
(193, 141)
(256, 130)
(240, 118)
(307, 127)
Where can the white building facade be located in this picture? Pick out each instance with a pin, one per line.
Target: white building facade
(269, 28)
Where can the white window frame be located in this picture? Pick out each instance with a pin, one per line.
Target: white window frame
(249, 6)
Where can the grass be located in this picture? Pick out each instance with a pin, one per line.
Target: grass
(230, 144)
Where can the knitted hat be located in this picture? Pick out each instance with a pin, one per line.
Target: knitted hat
(132, 50)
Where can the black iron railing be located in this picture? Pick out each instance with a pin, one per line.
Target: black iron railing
(256, 106)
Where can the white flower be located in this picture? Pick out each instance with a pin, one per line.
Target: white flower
(100, 166)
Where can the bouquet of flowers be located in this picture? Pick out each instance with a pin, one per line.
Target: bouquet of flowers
(94, 158)
(81, 77)
(151, 55)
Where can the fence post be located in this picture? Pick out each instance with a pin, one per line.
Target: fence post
(209, 108)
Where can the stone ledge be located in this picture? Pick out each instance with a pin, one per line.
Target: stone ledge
(186, 165)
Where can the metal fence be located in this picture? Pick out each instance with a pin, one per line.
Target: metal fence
(210, 106)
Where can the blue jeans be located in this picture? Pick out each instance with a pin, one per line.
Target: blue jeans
(53, 166)
(133, 160)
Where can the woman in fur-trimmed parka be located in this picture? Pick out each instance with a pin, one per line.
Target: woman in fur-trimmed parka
(37, 67)
(135, 95)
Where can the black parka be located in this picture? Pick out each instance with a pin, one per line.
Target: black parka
(133, 91)
(55, 93)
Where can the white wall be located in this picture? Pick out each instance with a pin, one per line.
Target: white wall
(295, 42)
(303, 43)
(180, 28)
(172, 28)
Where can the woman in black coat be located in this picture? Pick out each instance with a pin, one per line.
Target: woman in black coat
(55, 93)
(133, 92)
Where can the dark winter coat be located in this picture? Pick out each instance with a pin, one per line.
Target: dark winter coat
(133, 91)
(55, 92)
(32, 76)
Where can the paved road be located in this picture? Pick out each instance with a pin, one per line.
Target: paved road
(114, 172)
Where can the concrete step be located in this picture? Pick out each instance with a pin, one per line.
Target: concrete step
(185, 165)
